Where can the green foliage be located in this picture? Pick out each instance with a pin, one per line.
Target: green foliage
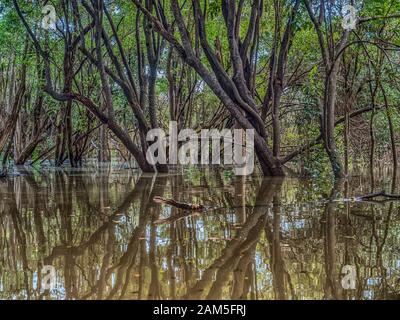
(304, 71)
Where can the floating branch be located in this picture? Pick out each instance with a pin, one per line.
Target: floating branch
(189, 208)
(383, 194)
(371, 198)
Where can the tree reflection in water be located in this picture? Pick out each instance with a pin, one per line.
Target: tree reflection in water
(267, 239)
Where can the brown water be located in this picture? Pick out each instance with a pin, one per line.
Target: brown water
(267, 239)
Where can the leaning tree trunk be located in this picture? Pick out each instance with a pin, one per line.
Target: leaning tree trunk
(329, 123)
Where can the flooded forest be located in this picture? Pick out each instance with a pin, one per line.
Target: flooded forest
(89, 87)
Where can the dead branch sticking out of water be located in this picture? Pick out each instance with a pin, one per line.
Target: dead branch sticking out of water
(190, 210)
(383, 194)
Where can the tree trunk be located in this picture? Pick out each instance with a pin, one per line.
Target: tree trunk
(329, 121)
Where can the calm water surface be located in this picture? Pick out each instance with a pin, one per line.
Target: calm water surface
(266, 239)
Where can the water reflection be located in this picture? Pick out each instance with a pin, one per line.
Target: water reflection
(267, 239)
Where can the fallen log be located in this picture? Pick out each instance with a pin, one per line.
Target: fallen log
(180, 205)
(176, 218)
(378, 194)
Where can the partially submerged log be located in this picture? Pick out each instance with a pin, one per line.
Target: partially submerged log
(382, 194)
(180, 205)
(374, 198)
(190, 210)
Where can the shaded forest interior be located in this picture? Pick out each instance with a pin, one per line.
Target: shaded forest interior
(321, 97)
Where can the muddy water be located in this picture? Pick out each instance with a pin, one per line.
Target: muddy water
(103, 237)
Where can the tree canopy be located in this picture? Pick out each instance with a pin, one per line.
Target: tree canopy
(320, 96)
